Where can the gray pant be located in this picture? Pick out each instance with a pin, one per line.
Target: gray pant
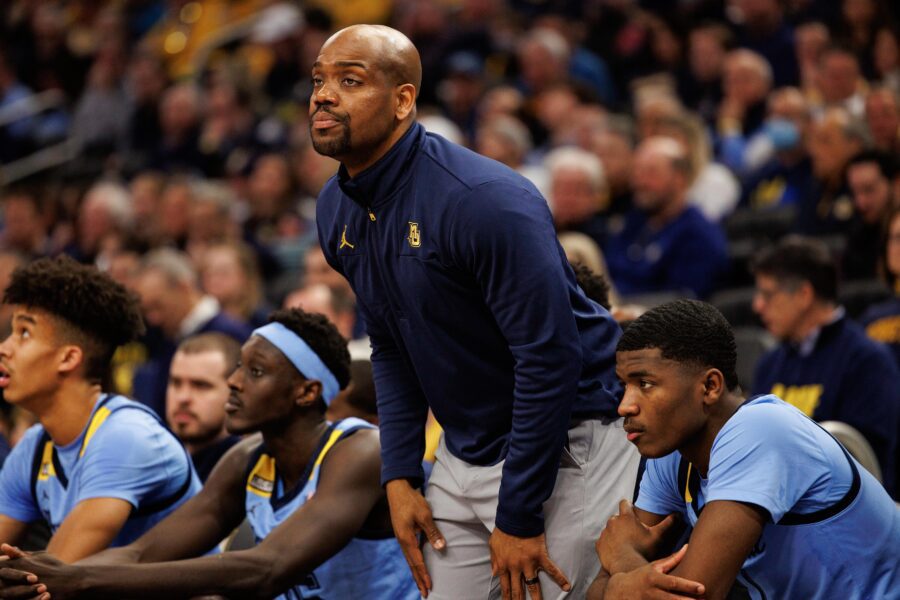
(598, 469)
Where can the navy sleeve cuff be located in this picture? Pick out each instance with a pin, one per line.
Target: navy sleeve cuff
(415, 475)
(520, 525)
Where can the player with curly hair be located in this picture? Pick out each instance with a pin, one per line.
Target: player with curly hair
(99, 469)
(309, 489)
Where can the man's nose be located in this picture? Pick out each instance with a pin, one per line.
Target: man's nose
(627, 407)
(4, 346)
(325, 95)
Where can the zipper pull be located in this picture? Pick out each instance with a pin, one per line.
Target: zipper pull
(371, 214)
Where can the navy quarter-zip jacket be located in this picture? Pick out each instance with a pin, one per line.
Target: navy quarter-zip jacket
(473, 310)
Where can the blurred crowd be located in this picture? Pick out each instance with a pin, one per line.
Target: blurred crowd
(166, 141)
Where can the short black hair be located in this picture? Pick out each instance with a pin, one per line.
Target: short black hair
(886, 163)
(796, 259)
(686, 331)
(595, 285)
(322, 336)
(98, 314)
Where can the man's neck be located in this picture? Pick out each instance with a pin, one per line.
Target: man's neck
(293, 446)
(67, 412)
(195, 447)
(819, 315)
(697, 450)
(357, 164)
(669, 212)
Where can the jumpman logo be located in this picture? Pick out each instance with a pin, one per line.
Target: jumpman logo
(344, 242)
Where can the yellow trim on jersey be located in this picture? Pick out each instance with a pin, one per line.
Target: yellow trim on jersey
(96, 421)
(47, 471)
(335, 435)
(687, 485)
(261, 480)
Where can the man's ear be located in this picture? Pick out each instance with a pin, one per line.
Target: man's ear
(806, 294)
(307, 392)
(69, 358)
(406, 101)
(714, 387)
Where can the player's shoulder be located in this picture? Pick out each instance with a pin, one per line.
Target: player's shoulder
(125, 419)
(767, 420)
(356, 442)
(244, 450)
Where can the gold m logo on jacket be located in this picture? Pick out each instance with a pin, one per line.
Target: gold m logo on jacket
(415, 236)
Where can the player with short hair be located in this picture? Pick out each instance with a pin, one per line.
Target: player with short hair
(98, 468)
(309, 488)
(778, 507)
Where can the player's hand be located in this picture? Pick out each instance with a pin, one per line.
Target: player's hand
(652, 582)
(22, 574)
(624, 534)
(411, 515)
(515, 559)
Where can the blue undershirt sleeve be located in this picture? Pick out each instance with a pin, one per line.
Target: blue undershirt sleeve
(503, 234)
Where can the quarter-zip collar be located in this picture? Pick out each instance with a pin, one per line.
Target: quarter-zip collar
(380, 182)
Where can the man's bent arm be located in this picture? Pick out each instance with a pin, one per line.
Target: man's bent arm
(348, 489)
(89, 528)
(723, 537)
(197, 525)
(402, 408)
(11, 530)
(504, 235)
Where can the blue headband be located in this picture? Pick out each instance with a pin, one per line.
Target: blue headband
(301, 356)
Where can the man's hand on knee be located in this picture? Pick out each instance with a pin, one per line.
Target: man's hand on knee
(517, 561)
(411, 515)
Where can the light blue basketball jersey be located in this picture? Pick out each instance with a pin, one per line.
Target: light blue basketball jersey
(364, 568)
(834, 530)
(124, 452)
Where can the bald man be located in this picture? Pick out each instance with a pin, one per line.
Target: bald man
(665, 244)
(474, 312)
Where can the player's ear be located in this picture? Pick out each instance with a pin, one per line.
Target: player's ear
(307, 391)
(70, 358)
(713, 386)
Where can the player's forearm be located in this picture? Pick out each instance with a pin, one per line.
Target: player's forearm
(598, 588)
(626, 559)
(241, 574)
(113, 556)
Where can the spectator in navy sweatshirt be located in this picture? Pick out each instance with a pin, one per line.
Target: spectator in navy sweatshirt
(665, 244)
(473, 311)
(825, 365)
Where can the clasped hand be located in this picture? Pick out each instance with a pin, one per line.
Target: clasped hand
(25, 576)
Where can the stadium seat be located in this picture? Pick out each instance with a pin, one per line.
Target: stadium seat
(752, 343)
(857, 445)
(737, 306)
(857, 296)
(759, 225)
